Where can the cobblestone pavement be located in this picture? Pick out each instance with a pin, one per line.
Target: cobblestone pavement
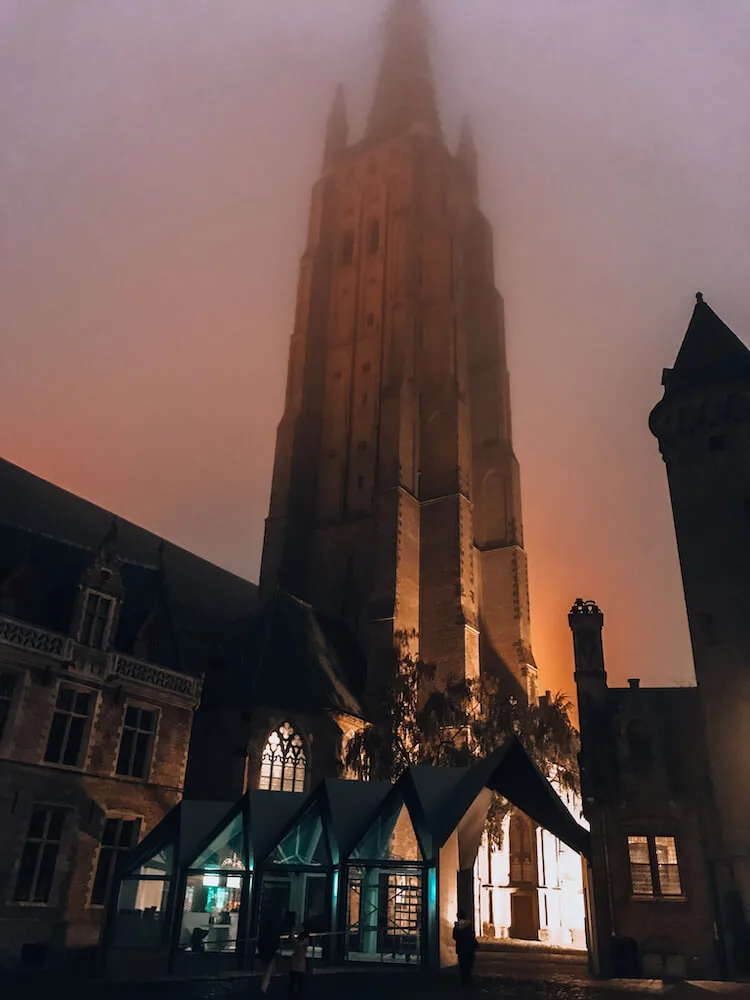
(497, 977)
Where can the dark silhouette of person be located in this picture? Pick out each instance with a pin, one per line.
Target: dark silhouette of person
(466, 947)
(298, 969)
(269, 939)
(198, 939)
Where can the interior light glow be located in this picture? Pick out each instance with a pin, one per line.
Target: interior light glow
(210, 881)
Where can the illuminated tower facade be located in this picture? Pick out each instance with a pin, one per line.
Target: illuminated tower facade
(396, 502)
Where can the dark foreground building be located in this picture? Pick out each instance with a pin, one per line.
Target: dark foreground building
(665, 773)
(131, 670)
(375, 871)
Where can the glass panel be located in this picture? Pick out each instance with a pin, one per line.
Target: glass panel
(384, 914)
(211, 912)
(390, 837)
(307, 843)
(669, 872)
(292, 900)
(640, 866)
(159, 864)
(141, 913)
(227, 850)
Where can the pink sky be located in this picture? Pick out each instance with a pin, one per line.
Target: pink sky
(155, 167)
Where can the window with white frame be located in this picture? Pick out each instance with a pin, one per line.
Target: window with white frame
(136, 742)
(654, 868)
(69, 729)
(283, 765)
(96, 619)
(7, 689)
(39, 857)
(118, 837)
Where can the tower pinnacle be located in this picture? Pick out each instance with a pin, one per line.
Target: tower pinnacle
(405, 98)
(466, 156)
(337, 129)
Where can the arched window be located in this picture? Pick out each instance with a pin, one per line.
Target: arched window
(283, 764)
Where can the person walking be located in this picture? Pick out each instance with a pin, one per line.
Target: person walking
(466, 948)
(298, 968)
(269, 940)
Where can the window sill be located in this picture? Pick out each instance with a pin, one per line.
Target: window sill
(33, 905)
(145, 780)
(658, 899)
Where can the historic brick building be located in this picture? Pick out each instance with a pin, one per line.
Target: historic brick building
(396, 502)
(106, 635)
(664, 772)
(647, 795)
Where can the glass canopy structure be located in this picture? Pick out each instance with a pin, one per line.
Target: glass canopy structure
(375, 871)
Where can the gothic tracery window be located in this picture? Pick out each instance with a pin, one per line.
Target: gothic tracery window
(283, 764)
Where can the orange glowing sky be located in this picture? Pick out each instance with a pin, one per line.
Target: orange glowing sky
(155, 168)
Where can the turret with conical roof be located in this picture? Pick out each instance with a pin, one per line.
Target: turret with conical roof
(703, 427)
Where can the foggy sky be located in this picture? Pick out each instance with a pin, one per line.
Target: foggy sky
(156, 160)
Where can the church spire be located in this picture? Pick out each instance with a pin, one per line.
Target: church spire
(466, 157)
(405, 98)
(337, 129)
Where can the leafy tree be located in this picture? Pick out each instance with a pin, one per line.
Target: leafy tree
(452, 727)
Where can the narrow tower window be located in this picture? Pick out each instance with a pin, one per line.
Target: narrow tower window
(374, 236)
(347, 247)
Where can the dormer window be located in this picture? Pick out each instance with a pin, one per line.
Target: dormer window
(96, 619)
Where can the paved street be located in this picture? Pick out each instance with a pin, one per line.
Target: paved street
(498, 975)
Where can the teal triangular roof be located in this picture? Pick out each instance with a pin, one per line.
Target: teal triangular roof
(351, 807)
(270, 815)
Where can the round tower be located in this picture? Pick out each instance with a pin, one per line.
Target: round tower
(702, 424)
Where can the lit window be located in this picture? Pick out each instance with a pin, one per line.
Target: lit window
(68, 729)
(39, 856)
(283, 764)
(134, 758)
(117, 839)
(97, 614)
(7, 687)
(654, 870)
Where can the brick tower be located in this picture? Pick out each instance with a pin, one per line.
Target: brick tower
(703, 427)
(395, 502)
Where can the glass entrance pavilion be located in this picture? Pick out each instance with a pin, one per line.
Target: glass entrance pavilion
(374, 871)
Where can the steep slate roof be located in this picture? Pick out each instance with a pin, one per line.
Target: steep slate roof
(284, 657)
(293, 664)
(711, 354)
(28, 502)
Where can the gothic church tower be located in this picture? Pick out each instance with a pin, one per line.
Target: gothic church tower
(395, 501)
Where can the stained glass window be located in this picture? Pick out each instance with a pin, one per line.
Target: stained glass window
(283, 765)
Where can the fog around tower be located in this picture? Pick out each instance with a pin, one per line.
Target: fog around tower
(155, 173)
